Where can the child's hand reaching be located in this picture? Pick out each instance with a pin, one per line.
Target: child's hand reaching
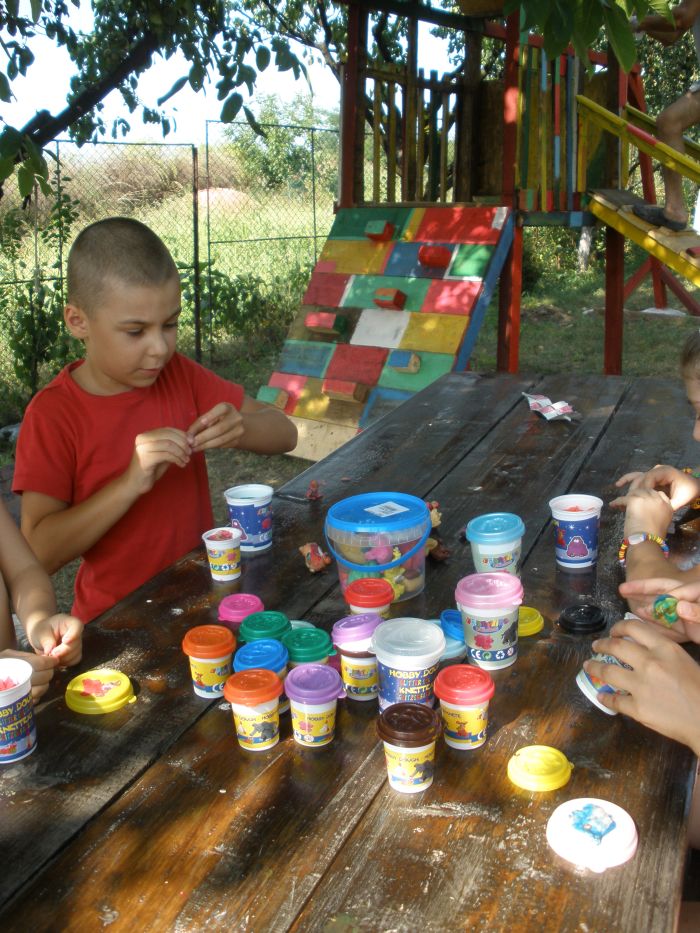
(222, 426)
(663, 685)
(59, 637)
(680, 487)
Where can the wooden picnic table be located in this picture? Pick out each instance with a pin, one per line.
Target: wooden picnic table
(153, 818)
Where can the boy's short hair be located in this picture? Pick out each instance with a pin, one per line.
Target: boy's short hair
(118, 249)
(690, 356)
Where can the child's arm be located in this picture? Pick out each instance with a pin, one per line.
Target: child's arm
(59, 532)
(663, 685)
(680, 487)
(29, 589)
(42, 669)
(256, 427)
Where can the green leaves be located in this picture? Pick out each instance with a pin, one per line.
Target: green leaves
(620, 36)
(262, 57)
(5, 92)
(231, 107)
(179, 84)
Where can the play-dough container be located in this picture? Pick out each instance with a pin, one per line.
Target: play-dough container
(307, 646)
(489, 605)
(591, 686)
(380, 535)
(209, 648)
(250, 511)
(224, 553)
(539, 768)
(408, 732)
(17, 724)
(369, 594)
(235, 608)
(268, 654)
(464, 692)
(352, 636)
(99, 691)
(592, 833)
(313, 691)
(496, 541)
(576, 525)
(253, 695)
(408, 653)
(267, 624)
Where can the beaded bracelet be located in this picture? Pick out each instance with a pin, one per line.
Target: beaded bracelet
(639, 538)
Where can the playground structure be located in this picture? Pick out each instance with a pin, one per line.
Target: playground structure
(431, 213)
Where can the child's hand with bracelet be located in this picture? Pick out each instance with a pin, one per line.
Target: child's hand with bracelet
(681, 486)
(649, 511)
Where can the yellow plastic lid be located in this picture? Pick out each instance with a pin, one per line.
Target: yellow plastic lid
(530, 621)
(539, 767)
(99, 691)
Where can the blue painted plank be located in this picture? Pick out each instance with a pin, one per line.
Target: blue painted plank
(380, 403)
(305, 358)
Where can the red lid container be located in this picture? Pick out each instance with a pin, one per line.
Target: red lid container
(464, 685)
(369, 593)
(209, 641)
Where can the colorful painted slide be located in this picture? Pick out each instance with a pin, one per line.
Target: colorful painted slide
(396, 300)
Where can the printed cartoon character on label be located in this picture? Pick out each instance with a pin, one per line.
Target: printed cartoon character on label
(593, 820)
(423, 771)
(488, 626)
(266, 730)
(92, 687)
(236, 524)
(483, 641)
(510, 635)
(577, 547)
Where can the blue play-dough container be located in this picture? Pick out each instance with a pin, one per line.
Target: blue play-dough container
(380, 534)
(267, 653)
(496, 542)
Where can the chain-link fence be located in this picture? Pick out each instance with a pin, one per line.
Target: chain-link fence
(250, 208)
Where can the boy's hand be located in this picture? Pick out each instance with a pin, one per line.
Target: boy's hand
(59, 637)
(43, 668)
(222, 426)
(680, 487)
(154, 452)
(641, 595)
(647, 510)
(663, 685)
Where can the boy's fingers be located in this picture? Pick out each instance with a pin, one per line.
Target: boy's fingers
(628, 478)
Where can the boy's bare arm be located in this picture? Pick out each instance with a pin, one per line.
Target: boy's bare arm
(259, 428)
(668, 31)
(59, 532)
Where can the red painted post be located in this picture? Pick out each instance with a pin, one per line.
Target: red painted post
(509, 294)
(614, 301)
(510, 107)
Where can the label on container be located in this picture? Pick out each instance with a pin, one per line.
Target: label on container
(493, 639)
(576, 540)
(506, 560)
(386, 509)
(313, 727)
(359, 676)
(254, 523)
(465, 728)
(17, 729)
(209, 677)
(410, 769)
(595, 684)
(257, 730)
(225, 563)
(397, 686)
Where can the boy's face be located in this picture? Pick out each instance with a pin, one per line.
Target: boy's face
(692, 389)
(129, 337)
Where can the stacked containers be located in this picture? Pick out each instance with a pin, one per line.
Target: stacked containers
(380, 535)
(266, 653)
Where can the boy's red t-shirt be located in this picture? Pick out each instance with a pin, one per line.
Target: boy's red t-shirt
(72, 443)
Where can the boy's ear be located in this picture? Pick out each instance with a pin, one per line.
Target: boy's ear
(76, 321)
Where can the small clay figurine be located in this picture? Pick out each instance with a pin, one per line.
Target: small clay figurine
(665, 609)
(315, 558)
(313, 492)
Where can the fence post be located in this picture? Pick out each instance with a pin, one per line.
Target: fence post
(195, 256)
(313, 188)
(60, 219)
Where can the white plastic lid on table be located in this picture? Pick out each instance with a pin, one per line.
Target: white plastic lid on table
(592, 833)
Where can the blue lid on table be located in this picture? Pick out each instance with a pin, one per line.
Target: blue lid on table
(495, 528)
(268, 653)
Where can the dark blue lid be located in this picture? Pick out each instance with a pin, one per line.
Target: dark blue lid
(267, 653)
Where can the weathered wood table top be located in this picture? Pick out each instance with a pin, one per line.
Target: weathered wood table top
(152, 817)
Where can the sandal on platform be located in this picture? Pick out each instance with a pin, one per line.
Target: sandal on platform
(654, 215)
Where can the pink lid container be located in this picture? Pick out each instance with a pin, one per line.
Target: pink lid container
(488, 591)
(235, 608)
